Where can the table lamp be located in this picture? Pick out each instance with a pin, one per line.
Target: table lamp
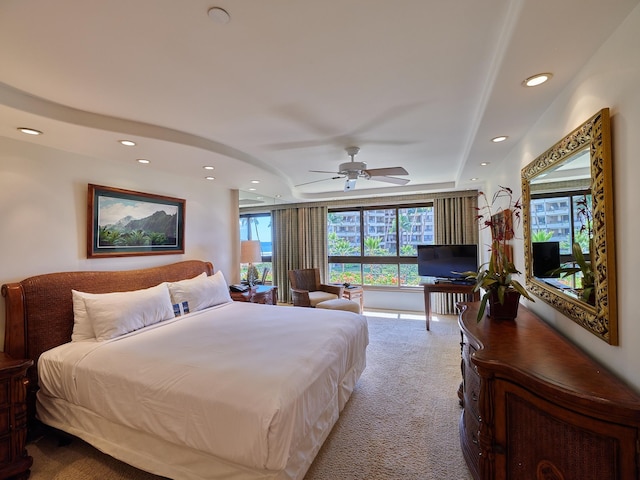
(250, 253)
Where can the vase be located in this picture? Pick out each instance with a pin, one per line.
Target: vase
(506, 311)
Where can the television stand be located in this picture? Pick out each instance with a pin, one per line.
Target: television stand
(437, 286)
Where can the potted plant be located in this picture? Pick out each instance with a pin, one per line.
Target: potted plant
(496, 277)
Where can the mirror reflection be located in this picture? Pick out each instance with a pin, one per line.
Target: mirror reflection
(562, 227)
(568, 227)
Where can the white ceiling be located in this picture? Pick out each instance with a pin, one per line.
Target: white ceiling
(287, 85)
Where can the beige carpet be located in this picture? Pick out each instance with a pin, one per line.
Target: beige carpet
(400, 423)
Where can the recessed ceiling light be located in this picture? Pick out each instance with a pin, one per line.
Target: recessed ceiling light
(278, 196)
(474, 179)
(127, 143)
(143, 160)
(208, 167)
(499, 139)
(536, 80)
(30, 131)
(484, 164)
(219, 15)
(209, 178)
(255, 181)
(252, 189)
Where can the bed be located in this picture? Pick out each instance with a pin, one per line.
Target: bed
(224, 389)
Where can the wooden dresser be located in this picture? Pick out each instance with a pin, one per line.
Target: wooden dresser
(537, 407)
(14, 460)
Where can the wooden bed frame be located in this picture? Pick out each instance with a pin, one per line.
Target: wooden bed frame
(39, 309)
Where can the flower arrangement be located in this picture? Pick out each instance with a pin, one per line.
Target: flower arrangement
(496, 276)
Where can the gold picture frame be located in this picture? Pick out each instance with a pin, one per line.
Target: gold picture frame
(126, 223)
(594, 137)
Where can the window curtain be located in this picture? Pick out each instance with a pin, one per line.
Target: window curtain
(299, 241)
(454, 223)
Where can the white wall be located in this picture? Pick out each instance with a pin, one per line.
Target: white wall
(43, 212)
(610, 79)
(405, 301)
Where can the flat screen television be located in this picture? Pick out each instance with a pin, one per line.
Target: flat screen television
(546, 258)
(441, 261)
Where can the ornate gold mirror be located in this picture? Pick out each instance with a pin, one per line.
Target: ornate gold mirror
(569, 227)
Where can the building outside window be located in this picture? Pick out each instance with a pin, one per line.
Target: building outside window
(557, 219)
(376, 246)
(562, 219)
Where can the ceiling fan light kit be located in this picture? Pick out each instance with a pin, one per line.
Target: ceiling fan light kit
(353, 170)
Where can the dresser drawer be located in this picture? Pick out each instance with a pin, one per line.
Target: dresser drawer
(5, 420)
(469, 439)
(5, 449)
(4, 392)
(471, 389)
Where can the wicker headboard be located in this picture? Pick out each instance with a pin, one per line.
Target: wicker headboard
(39, 310)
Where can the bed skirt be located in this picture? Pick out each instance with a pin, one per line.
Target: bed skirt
(160, 457)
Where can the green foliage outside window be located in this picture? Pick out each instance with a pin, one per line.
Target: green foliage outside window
(541, 236)
(339, 246)
(345, 273)
(376, 235)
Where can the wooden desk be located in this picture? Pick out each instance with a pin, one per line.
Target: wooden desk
(354, 293)
(266, 294)
(430, 286)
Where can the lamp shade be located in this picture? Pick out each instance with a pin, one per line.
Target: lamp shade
(250, 251)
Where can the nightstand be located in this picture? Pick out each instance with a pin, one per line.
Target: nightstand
(14, 460)
(258, 294)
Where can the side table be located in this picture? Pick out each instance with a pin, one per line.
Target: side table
(354, 293)
(266, 294)
(15, 462)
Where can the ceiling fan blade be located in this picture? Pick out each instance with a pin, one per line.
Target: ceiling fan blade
(322, 171)
(381, 172)
(316, 181)
(397, 181)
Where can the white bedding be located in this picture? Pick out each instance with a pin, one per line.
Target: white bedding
(245, 383)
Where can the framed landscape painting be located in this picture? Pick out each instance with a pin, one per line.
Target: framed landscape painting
(123, 222)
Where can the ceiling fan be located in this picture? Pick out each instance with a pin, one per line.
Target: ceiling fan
(353, 170)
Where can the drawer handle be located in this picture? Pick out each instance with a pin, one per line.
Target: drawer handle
(474, 396)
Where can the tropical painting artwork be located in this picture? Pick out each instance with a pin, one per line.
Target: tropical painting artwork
(124, 222)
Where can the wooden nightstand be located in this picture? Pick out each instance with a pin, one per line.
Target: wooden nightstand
(14, 460)
(258, 294)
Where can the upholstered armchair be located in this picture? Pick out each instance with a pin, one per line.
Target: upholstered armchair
(307, 291)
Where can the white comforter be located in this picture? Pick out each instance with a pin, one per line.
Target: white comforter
(241, 381)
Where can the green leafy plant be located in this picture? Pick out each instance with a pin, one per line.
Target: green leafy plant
(496, 276)
(580, 264)
(541, 236)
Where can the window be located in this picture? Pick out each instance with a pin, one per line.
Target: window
(562, 219)
(377, 245)
(258, 227)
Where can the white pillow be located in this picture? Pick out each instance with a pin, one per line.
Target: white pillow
(201, 292)
(118, 313)
(82, 328)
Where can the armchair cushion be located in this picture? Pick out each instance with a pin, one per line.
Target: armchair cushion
(319, 296)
